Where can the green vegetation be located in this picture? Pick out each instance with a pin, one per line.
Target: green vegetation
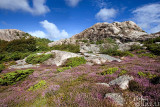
(67, 47)
(135, 47)
(134, 86)
(75, 61)
(85, 41)
(141, 51)
(109, 71)
(63, 69)
(152, 46)
(21, 48)
(150, 55)
(122, 72)
(2, 67)
(99, 42)
(13, 77)
(115, 52)
(34, 58)
(146, 75)
(37, 86)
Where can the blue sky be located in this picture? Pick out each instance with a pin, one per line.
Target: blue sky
(58, 19)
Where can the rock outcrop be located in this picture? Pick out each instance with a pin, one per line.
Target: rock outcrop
(12, 34)
(126, 31)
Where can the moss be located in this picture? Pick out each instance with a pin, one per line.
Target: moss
(37, 86)
(34, 58)
(75, 61)
(13, 77)
(110, 71)
(146, 75)
(63, 69)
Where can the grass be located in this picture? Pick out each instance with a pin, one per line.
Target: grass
(15, 76)
(75, 61)
(35, 59)
(150, 55)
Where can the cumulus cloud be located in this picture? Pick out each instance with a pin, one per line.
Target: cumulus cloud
(106, 14)
(38, 8)
(72, 3)
(52, 31)
(148, 17)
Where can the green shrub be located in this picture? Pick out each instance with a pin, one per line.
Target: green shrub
(38, 85)
(85, 41)
(135, 47)
(110, 71)
(135, 86)
(154, 48)
(2, 67)
(13, 77)
(146, 75)
(115, 52)
(141, 51)
(99, 42)
(63, 69)
(42, 44)
(67, 47)
(150, 55)
(75, 61)
(34, 58)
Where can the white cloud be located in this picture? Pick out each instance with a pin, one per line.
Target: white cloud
(148, 17)
(52, 31)
(106, 14)
(72, 3)
(38, 8)
(38, 33)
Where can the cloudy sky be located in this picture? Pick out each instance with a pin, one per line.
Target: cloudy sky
(58, 19)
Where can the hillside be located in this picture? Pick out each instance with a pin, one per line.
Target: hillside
(106, 65)
(12, 34)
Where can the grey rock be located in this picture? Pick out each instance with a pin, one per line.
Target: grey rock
(103, 84)
(60, 57)
(122, 81)
(127, 46)
(11, 34)
(116, 97)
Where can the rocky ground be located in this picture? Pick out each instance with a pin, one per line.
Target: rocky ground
(87, 85)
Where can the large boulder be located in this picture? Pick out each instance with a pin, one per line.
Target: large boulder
(122, 81)
(60, 57)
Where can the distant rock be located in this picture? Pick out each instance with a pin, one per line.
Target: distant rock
(12, 34)
(116, 97)
(122, 81)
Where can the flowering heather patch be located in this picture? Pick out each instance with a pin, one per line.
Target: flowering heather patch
(78, 86)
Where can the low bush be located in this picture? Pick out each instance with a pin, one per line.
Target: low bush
(135, 86)
(67, 47)
(2, 67)
(114, 52)
(110, 71)
(13, 77)
(135, 47)
(75, 61)
(154, 48)
(150, 55)
(34, 58)
(146, 75)
(37, 86)
(63, 69)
